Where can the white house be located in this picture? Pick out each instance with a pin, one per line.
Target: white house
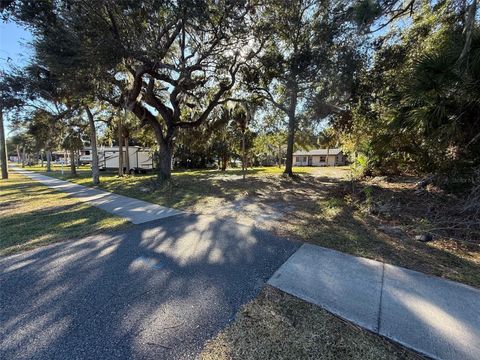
(319, 157)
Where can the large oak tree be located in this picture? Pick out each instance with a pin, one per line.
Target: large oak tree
(169, 62)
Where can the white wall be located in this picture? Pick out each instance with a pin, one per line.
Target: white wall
(330, 161)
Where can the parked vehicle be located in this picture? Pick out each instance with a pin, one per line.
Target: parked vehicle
(140, 159)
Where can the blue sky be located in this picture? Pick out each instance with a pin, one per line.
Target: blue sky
(13, 44)
(14, 50)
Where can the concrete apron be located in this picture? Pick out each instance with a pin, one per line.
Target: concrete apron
(433, 316)
(134, 210)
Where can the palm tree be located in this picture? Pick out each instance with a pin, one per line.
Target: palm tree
(241, 117)
(327, 139)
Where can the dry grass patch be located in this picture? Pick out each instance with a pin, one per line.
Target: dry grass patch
(278, 326)
(343, 220)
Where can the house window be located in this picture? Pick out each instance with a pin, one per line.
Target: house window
(305, 159)
(87, 152)
(297, 159)
(322, 158)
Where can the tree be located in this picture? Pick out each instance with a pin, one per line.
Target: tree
(121, 157)
(93, 144)
(45, 129)
(222, 140)
(307, 40)
(327, 139)
(241, 118)
(3, 148)
(8, 101)
(271, 144)
(25, 144)
(72, 143)
(416, 107)
(153, 58)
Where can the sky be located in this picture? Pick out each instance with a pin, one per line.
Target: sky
(13, 44)
(14, 50)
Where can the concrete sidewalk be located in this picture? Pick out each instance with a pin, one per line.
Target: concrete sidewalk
(436, 317)
(134, 210)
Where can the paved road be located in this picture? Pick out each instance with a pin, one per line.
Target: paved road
(134, 210)
(157, 291)
(434, 316)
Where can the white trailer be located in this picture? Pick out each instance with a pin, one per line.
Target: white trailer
(140, 159)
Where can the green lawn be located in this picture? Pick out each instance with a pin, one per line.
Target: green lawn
(33, 215)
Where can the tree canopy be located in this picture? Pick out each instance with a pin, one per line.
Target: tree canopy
(394, 82)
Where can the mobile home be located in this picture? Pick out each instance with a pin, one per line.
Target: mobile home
(140, 159)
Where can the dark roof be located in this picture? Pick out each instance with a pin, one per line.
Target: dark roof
(318, 152)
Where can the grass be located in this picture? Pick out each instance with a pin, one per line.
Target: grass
(319, 207)
(276, 325)
(33, 215)
(188, 188)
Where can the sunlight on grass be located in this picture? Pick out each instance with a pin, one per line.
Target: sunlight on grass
(189, 189)
(71, 223)
(33, 215)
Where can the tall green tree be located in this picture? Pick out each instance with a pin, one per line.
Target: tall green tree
(307, 42)
(154, 58)
(416, 108)
(73, 143)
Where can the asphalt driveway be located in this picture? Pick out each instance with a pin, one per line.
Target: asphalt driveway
(159, 290)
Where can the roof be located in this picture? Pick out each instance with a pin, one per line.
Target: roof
(318, 152)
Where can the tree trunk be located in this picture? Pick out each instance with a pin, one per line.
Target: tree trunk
(290, 142)
(165, 161)
(291, 130)
(23, 157)
(127, 156)
(73, 168)
(41, 157)
(279, 156)
(470, 15)
(93, 143)
(49, 160)
(165, 153)
(328, 154)
(3, 148)
(244, 156)
(120, 147)
(18, 154)
(224, 162)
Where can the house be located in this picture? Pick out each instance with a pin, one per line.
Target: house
(319, 157)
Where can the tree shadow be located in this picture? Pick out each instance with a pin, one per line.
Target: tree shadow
(159, 290)
(49, 224)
